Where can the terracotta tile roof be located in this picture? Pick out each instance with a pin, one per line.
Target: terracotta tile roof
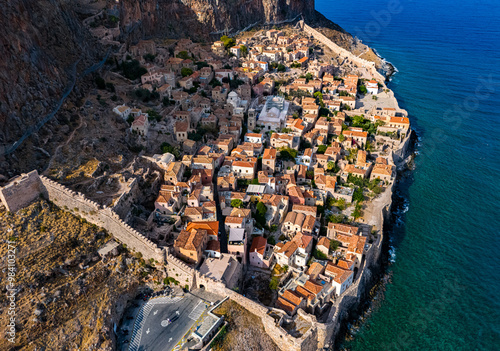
(288, 248)
(345, 264)
(243, 164)
(352, 133)
(343, 228)
(315, 269)
(324, 241)
(304, 293)
(313, 287)
(383, 169)
(399, 120)
(285, 305)
(212, 227)
(181, 126)
(338, 274)
(258, 244)
(213, 245)
(190, 239)
(312, 210)
(243, 212)
(292, 296)
(235, 220)
(193, 211)
(302, 240)
(309, 223)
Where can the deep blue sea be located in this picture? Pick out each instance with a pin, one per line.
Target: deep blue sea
(445, 282)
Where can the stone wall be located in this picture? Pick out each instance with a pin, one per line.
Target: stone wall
(104, 217)
(399, 155)
(20, 191)
(180, 271)
(343, 53)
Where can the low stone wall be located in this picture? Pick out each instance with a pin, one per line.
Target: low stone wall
(104, 217)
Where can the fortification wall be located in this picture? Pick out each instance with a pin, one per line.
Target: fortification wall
(104, 217)
(21, 191)
(399, 155)
(343, 53)
(180, 271)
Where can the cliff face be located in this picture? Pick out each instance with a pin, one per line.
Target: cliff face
(40, 41)
(197, 18)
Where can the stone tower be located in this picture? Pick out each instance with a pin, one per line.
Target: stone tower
(252, 119)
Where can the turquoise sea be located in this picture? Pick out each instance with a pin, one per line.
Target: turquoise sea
(444, 286)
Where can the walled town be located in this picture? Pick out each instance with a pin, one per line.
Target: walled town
(276, 155)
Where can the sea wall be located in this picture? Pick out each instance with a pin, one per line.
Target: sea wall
(399, 155)
(104, 217)
(343, 53)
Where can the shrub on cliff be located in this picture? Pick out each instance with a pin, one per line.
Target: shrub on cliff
(133, 69)
(274, 283)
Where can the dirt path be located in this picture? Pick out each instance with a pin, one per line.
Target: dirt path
(56, 151)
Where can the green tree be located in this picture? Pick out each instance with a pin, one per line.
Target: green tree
(309, 77)
(287, 154)
(244, 50)
(321, 149)
(261, 208)
(133, 70)
(237, 203)
(341, 138)
(334, 245)
(228, 42)
(274, 283)
(271, 240)
(358, 210)
(149, 57)
(339, 218)
(362, 89)
(183, 55)
(320, 255)
(101, 84)
(281, 68)
(185, 71)
(153, 115)
(358, 195)
(341, 204)
(260, 215)
(166, 147)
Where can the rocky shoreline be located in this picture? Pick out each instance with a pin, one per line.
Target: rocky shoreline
(374, 286)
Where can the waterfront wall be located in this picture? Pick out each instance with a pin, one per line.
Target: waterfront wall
(343, 53)
(399, 155)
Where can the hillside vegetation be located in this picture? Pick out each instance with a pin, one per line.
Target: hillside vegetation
(67, 296)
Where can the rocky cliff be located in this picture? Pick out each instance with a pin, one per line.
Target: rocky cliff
(41, 42)
(177, 18)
